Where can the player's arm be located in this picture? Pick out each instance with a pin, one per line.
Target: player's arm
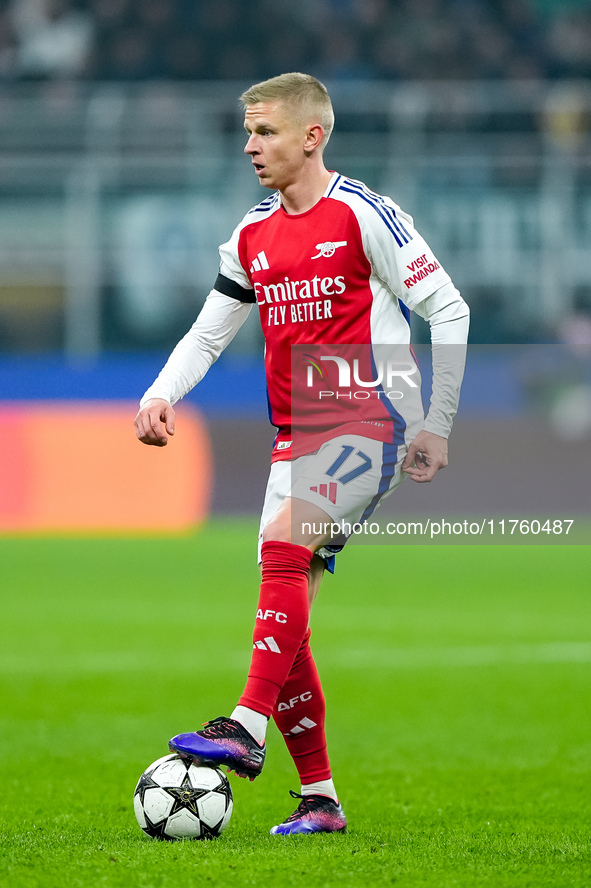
(406, 264)
(225, 310)
(449, 318)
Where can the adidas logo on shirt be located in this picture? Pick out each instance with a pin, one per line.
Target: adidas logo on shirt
(303, 725)
(268, 644)
(260, 262)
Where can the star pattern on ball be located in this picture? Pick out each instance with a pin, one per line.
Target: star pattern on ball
(185, 796)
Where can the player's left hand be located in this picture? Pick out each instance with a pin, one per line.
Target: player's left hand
(427, 454)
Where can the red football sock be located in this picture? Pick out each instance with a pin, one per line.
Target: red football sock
(299, 715)
(281, 623)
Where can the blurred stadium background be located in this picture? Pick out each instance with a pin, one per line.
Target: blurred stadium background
(121, 170)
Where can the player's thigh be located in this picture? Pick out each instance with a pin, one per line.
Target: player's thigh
(278, 486)
(277, 503)
(292, 518)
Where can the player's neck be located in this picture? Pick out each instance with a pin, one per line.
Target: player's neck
(302, 195)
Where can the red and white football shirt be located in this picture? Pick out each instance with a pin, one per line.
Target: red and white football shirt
(345, 272)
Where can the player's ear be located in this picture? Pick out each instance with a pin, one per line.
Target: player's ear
(314, 137)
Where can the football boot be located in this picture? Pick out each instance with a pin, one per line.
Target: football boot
(314, 814)
(222, 741)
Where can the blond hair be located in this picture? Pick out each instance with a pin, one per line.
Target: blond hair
(306, 99)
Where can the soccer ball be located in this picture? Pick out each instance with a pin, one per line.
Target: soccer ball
(177, 799)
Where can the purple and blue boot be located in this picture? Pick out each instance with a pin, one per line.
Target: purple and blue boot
(222, 741)
(314, 814)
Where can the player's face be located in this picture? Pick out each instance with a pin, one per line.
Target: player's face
(275, 143)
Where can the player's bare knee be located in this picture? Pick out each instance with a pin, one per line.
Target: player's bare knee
(277, 531)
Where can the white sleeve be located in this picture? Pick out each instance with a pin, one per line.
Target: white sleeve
(399, 256)
(406, 264)
(449, 318)
(230, 264)
(218, 322)
(402, 260)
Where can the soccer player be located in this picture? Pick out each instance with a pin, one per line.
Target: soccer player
(327, 261)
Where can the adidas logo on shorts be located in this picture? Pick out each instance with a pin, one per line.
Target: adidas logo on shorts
(327, 490)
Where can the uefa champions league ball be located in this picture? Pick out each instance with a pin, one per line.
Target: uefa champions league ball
(177, 799)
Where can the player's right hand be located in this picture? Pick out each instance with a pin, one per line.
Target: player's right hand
(154, 422)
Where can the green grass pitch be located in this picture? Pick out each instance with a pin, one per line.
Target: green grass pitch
(457, 680)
